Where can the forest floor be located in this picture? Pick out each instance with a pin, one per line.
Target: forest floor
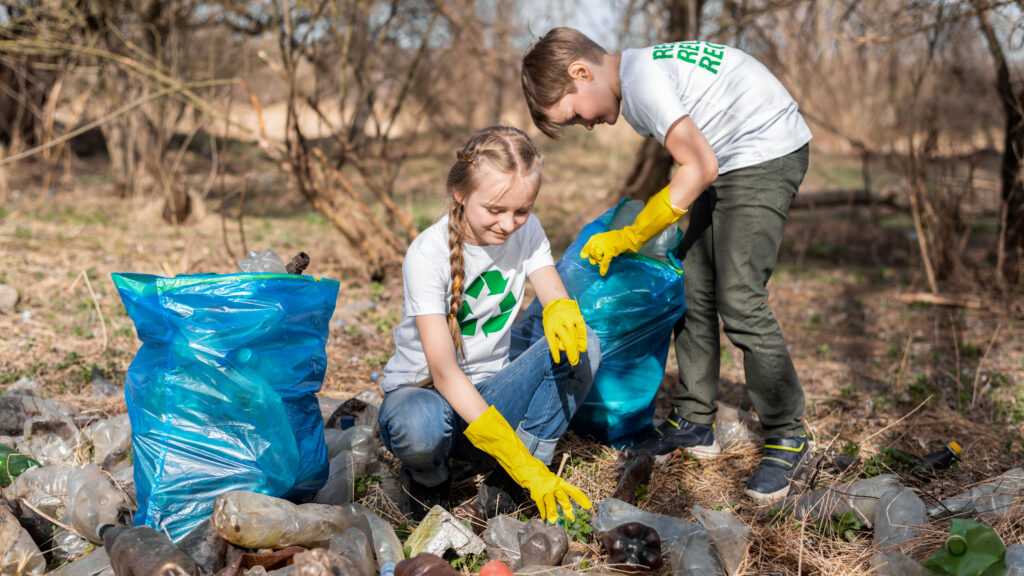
(878, 372)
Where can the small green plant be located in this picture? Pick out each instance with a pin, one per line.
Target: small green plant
(840, 526)
(364, 481)
(889, 460)
(851, 449)
(378, 291)
(823, 349)
(471, 562)
(408, 549)
(579, 529)
(968, 350)
(640, 493)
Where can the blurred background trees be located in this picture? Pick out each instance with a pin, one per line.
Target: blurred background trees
(342, 93)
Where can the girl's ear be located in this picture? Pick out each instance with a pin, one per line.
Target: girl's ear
(580, 70)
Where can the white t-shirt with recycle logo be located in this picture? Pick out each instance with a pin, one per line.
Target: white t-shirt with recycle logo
(745, 113)
(495, 279)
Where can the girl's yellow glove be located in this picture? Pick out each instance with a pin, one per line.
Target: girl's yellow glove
(658, 214)
(491, 433)
(565, 330)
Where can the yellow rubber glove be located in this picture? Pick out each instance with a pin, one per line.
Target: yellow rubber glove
(491, 433)
(565, 330)
(658, 214)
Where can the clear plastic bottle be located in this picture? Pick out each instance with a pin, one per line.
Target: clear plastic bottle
(386, 544)
(142, 551)
(267, 262)
(502, 539)
(21, 556)
(321, 562)
(93, 501)
(730, 536)
(612, 512)
(1014, 560)
(253, 520)
(110, 436)
(341, 480)
(354, 546)
(899, 517)
(95, 563)
(694, 556)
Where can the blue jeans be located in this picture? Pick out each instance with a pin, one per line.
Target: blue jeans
(535, 395)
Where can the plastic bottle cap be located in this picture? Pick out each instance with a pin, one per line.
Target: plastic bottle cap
(956, 545)
(955, 448)
(347, 421)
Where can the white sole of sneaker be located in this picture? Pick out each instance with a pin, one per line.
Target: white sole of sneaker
(765, 499)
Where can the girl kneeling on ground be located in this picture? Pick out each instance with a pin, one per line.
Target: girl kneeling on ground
(451, 389)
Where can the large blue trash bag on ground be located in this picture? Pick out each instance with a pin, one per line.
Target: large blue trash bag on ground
(632, 309)
(222, 393)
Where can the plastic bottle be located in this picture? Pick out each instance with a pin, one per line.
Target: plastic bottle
(1014, 560)
(502, 539)
(253, 520)
(542, 544)
(39, 528)
(694, 556)
(730, 536)
(109, 436)
(633, 544)
(354, 546)
(321, 562)
(929, 464)
(20, 555)
(142, 551)
(387, 546)
(387, 568)
(341, 480)
(612, 512)
(93, 501)
(95, 563)
(267, 262)
(899, 517)
(13, 464)
(657, 247)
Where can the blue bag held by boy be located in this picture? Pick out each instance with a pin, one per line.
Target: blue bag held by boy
(632, 309)
(222, 393)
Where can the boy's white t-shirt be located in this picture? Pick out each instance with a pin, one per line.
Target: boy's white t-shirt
(745, 113)
(495, 278)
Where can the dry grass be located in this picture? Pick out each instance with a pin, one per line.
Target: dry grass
(867, 360)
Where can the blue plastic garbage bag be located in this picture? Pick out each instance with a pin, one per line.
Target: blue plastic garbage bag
(632, 309)
(222, 393)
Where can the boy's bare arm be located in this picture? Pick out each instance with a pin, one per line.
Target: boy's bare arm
(698, 165)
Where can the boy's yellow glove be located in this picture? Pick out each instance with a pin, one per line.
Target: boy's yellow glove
(565, 330)
(491, 433)
(658, 214)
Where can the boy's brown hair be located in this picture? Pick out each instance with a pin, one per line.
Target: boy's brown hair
(545, 73)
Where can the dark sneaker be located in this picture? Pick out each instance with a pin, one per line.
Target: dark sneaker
(782, 458)
(499, 494)
(417, 499)
(675, 432)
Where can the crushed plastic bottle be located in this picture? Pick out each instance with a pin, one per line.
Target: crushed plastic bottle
(542, 544)
(20, 555)
(205, 547)
(341, 481)
(51, 438)
(93, 501)
(694, 556)
(994, 499)
(265, 262)
(321, 562)
(859, 498)
(253, 520)
(634, 545)
(95, 563)
(896, 563)
(736, 429)
(1014, 560)
(613, 512)
(730, 536)
(110, 436)
(13, 464)
(387, 546)
(634, 470)
(360, 440)
(357, 548)
(362, 411)
(900, 517)
(657, 247)
(502, 539)
(142, 551)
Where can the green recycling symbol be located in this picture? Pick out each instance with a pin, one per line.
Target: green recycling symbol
(496, 284)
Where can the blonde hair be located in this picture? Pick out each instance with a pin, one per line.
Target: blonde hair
(502, 149)
(545, 73)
